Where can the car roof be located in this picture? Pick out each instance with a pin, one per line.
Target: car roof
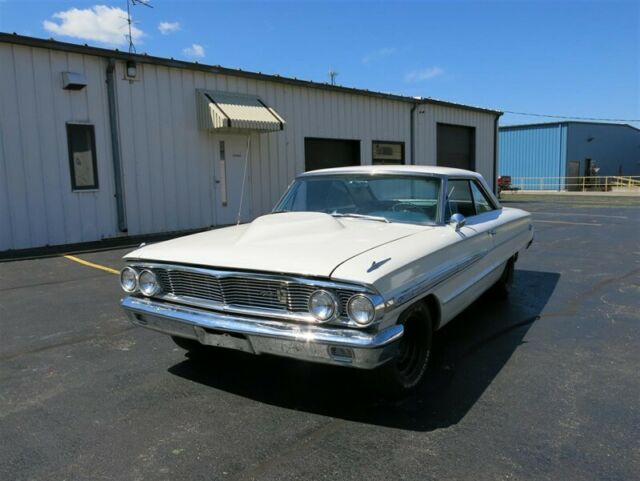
(395, 169)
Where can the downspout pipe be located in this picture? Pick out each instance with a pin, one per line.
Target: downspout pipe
(495, 153)
(115, 145)
(412, 133)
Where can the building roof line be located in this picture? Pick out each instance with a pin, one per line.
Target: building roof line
(216, 69)
(565, 122)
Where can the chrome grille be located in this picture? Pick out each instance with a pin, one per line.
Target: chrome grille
(244, 292)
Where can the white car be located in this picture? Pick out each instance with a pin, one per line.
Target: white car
(355, 266)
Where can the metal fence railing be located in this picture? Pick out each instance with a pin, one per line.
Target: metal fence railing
(576, 184)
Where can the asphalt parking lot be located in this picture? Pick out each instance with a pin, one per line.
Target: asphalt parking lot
(545, 386)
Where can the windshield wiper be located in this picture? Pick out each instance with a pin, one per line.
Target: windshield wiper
(362, 216)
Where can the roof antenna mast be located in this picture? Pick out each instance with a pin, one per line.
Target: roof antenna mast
(133, 3)
(332, 76)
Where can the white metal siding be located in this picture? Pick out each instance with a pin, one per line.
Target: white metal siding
(168, 163)
(35, 185)
(429, 116)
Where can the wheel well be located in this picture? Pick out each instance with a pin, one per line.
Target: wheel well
(433, 305)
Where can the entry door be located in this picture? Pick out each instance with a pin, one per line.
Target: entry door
(229, 165)
(572, 182)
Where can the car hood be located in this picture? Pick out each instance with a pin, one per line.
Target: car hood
(305, 243)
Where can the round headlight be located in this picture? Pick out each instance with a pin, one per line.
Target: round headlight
(129, 279)
(323, 305)
(148, 283)
(361, 310)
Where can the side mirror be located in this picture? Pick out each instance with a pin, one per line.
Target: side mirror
(458, 221)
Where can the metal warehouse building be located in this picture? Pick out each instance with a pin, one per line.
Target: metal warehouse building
(97, 143)
(556, 155)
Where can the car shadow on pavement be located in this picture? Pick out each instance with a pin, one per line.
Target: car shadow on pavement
(469, 353)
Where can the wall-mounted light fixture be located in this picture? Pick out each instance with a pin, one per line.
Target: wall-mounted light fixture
(132, 69)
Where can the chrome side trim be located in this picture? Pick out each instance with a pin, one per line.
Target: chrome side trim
(472, 282)
(432, 279)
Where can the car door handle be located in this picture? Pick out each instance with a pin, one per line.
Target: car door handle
(492, 232)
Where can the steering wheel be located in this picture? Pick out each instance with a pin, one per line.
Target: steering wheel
(406, 207)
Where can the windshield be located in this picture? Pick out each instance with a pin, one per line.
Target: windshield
(389, 198)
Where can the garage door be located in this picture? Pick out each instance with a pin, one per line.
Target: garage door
(327, 153)
(456, 146)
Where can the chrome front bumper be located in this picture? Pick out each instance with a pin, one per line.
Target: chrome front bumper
(330, 345)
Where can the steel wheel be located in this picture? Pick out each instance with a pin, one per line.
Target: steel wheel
(407, 370)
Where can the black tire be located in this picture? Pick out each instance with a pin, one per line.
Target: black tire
(407, 370)
(502, 288)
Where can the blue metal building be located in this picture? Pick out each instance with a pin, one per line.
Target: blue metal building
(547, 153)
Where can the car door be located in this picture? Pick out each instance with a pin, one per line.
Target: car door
(506, 232)
(468, 251)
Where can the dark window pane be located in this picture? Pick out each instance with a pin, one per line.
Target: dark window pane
(387, 153)
(82, 156)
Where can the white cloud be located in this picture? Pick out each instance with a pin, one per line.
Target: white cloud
(100, 23)
(168, 27)
(378, 54)
(194, 51)
(423, 74)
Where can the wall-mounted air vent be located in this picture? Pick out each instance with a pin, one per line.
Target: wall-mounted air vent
(73, 81)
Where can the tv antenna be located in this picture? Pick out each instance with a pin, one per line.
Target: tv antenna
(133, 3)
(332, 76)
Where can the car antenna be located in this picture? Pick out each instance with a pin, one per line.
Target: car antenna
(244, 178)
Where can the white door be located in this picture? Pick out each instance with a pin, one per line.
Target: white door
(230, 162)
(471, 251)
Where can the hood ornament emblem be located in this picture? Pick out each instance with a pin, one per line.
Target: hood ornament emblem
(375, 265)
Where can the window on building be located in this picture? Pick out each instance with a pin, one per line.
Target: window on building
(387, 153)
(81, 140)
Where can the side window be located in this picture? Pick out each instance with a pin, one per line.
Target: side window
(459, 199)
(81, 141)
(480, 200)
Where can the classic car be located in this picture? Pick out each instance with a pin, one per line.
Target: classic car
(355, 266)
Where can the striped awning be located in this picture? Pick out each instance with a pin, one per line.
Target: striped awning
(224, 111)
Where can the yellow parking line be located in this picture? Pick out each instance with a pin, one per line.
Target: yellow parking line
(91, 264)
(568, 223)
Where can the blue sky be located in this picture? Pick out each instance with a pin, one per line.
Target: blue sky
(574, 58)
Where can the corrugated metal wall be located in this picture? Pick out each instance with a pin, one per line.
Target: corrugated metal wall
(428, 117)
(614, 148)
(38, 207)
(168, 162)
(535, 151)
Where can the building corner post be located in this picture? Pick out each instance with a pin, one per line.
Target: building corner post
(496, 130)
(115, 146)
